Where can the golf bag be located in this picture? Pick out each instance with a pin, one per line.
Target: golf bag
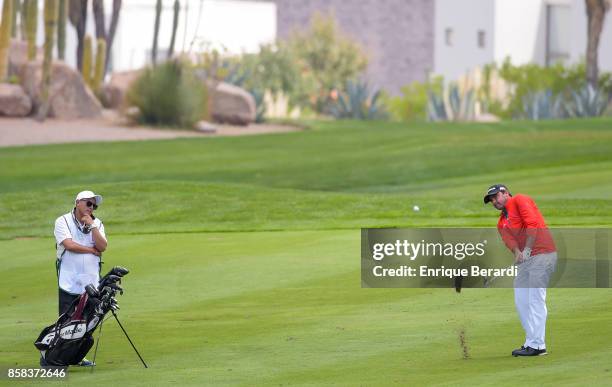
(68, 340)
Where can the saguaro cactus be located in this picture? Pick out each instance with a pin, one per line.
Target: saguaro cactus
(50, 24)
(31, 27)
(62, 17)
(23, 18)
(175, 20)
(158, 9)
(5, 36)
(100, 62)
(87, 58)
(14, 13)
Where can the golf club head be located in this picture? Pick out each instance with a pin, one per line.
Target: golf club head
(92, 291)
(115, 286)
(108, 279)
(118, 270)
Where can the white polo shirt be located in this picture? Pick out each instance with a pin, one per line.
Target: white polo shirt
(76, 270)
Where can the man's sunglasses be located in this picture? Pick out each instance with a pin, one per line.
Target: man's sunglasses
(92, 204)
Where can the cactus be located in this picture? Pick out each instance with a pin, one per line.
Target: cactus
(100, 62)
(50, 24)
(61, 28)
(586, 102)
(175, 20)
(23, 17)
(14, 13)
(5, 37)
(357, 102)
(31, 27)
(452, 105)
(542, 105)
(87, 58)
(158, 9)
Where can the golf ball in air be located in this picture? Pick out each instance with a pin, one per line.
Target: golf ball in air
(416, 209)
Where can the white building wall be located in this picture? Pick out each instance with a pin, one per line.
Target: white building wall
(465, 18)
(518, 30)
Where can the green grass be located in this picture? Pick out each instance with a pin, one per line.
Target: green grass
(245, 253)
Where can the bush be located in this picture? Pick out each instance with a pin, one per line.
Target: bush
(325, 59)
(356, 102)
(169, 95)
(412, 105)
(531, 79)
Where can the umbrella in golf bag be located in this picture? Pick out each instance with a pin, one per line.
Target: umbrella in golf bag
(68, 340)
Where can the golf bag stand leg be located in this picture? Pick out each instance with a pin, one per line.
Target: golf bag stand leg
(128, 337)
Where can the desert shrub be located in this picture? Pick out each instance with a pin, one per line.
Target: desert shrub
(169, 94)
(356, 101)
(325, 59)
(557, 80)
(412, 104)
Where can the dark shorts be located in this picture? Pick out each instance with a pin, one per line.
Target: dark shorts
(65, 300)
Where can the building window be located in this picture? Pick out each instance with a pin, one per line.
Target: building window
(448, 36)
(481, 39)
(557, 33)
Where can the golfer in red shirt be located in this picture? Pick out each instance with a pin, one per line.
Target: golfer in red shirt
(525, 233)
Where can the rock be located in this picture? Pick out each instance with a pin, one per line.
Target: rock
(14, 102)
(113, 93)
(231, 104)
(487, 117)
(205, 127)
(17, 56)
(69, 98)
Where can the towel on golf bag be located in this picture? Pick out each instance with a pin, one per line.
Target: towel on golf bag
(68, 340)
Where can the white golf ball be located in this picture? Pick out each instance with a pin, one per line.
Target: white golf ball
(416, 209)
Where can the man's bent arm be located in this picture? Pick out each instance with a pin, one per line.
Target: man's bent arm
(99, 240)
(71, 245)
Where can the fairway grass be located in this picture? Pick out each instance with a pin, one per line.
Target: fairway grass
(245, 254)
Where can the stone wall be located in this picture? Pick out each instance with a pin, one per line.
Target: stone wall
(397, 35)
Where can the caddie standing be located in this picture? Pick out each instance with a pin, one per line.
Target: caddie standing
(80, 239)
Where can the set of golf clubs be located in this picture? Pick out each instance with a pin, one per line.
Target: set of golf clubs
(105, 294)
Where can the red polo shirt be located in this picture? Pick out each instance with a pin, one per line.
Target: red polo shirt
(520, 219)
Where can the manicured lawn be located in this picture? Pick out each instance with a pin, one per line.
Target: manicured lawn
(245, 253)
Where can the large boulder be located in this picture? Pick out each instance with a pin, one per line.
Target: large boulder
(69, 98)
(231, 104)
(113, 93)
(17, 56)
(13, 101)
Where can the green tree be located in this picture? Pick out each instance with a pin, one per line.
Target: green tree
(326, 60)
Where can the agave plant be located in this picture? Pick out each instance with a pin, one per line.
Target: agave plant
(436, 111)
(452, 104)
(543, 105)
(356, 102)
(586, 102)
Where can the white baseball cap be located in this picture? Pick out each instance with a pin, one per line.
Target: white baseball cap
(88, 195)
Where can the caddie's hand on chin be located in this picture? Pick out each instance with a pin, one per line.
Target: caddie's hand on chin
(87, 219)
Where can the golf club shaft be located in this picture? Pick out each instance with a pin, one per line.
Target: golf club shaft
(128, 337)
(97, 343)
(489, 280)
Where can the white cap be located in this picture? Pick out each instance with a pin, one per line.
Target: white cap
(88, 195)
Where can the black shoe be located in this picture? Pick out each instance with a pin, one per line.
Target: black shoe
(517, 350)
(528, 351)
(86, 363)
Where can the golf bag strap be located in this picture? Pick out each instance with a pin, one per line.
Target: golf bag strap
(78, 313)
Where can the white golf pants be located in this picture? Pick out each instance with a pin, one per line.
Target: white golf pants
(530, 297)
